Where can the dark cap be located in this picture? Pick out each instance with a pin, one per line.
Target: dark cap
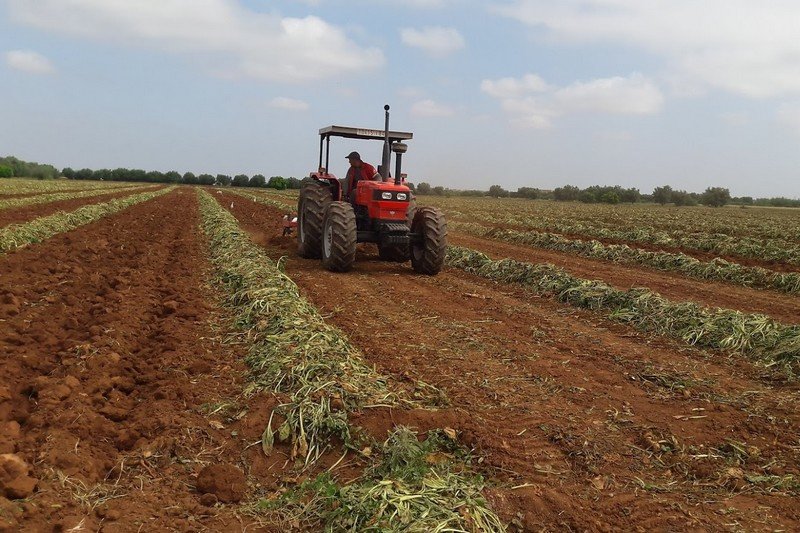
(354, 155)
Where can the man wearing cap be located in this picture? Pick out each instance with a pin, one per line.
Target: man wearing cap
(359, 170)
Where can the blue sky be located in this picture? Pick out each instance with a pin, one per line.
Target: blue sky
(514, 92)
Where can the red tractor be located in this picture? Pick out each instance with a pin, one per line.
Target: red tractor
(381, 211)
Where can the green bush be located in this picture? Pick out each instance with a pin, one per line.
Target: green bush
(715, 197)
(277, 182)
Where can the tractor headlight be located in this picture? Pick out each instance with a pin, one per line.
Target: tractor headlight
(402, 196)
(386, 195)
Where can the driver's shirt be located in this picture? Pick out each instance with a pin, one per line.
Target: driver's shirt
(364, 172)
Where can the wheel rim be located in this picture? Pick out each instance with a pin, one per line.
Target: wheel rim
(417, 251)
(326, 241)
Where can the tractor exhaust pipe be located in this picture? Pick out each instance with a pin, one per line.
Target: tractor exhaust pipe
(387, 154)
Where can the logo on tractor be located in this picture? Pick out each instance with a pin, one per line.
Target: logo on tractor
(371, 133)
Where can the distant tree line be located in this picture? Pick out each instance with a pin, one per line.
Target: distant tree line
(11, 167)
(712, 196)
(188, 178)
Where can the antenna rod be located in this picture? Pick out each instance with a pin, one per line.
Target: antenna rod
(386, 151)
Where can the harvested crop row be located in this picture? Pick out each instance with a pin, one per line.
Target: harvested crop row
(765, 250)
(21, 186)
(753, 222)
(18, 235)
(758, 336)
(281, 202)
(294, 352)
(45, 198)
(717, 269)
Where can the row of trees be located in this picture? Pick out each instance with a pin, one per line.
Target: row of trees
(188, 178)
(712, 196)
(11, 167)
(597, 194)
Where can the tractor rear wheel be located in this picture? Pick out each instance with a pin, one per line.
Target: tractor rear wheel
(428, 252)
(314, 198)
(339, 237)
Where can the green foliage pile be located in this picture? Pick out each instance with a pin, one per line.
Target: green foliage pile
(40, 229)
(10, 203)
(293, 350)
(416, 487)
(295, 353)
(772, 249)
(716, 269)
(758, 336)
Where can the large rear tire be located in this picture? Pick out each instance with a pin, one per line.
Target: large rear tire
(428, 253)
(314, 199)
(339, 236)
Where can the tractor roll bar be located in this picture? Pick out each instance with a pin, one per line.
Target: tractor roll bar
(390, 140)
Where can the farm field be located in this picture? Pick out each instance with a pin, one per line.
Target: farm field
(169, 362)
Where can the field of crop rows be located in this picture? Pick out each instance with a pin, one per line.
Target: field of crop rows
(168, 362)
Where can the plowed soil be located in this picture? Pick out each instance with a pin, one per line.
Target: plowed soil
(115, 383)
(29, 212)
(583, 424)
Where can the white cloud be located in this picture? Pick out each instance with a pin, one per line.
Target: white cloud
(29, 61)
(289, 104)
(533, 103)
(634, 95)
(429, 108)
(226, 36)
(513, 87)
(435, 40)
(745, 47)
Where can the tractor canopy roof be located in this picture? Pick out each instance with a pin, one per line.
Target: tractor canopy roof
(364, 133)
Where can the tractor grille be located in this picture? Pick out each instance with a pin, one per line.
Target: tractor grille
(392, 233)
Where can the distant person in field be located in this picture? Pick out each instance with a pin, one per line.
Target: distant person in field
(289, 221)
(359, 170)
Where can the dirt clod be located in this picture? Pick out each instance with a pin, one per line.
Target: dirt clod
(169, 307)
(224, 481)
(208, 499)
(20, 488)
(15, 483)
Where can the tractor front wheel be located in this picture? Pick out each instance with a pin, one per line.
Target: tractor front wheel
(429, 248)
(311, 205)
(339, 237)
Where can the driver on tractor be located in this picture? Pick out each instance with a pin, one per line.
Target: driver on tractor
(359, 170)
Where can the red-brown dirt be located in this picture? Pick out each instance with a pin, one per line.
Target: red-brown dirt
(584, 424)
(115, 385)
(27, 213)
